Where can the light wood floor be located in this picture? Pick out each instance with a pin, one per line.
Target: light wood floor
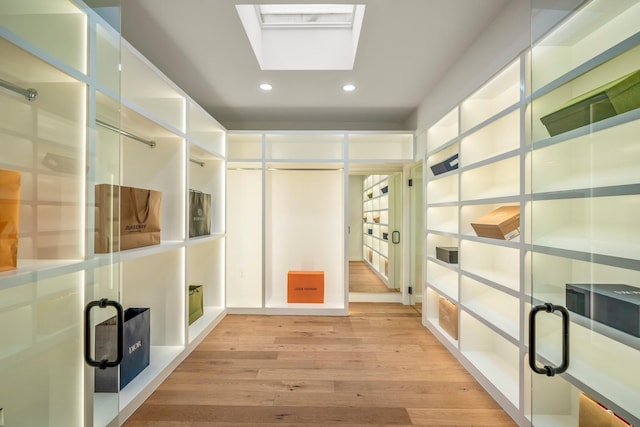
(363, 279)
(376, 367)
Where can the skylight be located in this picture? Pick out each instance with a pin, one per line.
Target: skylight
(306, 15)
(303, 36)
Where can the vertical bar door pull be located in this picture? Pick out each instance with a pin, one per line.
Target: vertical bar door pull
(549, 370)
(104, 363)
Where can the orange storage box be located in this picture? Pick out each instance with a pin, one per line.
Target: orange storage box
(305, 286)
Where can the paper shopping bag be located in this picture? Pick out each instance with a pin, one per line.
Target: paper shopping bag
(137, 349)
(9, 218)
(126, 218)
(196, 304)
(199, 213)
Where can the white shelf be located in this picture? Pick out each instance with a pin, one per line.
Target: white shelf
(574, 238)
(445, 153)
(432, 315)
(132, 254)
(305, 146)
(30, 269)
(592, 160)
(597, 27)
(443, 190)
(445, 130)
(496, 307)
(435, 240)
(498, 179)
(498, 137)
(244, 146)
(501, 92)
(380, 146)
(492, 262)
(443, 279)
(495, 357)
(604, 73)
(443, 219)
(157, 97)
(57, 28)
(212, 315)
(205, 132)
(106, 406)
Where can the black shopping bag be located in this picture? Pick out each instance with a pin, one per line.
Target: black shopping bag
(137, 335)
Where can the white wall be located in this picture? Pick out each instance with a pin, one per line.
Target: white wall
(304, 223)
(503, 40)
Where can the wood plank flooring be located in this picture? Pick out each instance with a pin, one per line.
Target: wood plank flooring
(376, 367)
(362, 279)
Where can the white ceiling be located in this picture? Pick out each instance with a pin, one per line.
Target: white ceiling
(405, 48)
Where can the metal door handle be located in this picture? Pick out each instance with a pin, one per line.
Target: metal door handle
(395, 237)
(104, 363)
(549, 370)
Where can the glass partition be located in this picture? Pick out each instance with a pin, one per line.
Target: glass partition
(584, 258)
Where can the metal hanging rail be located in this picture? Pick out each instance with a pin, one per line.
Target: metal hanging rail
(29, 93)
(150, 143)
(197, 162)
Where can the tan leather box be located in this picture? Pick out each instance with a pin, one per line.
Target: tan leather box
(593, 414)
(502, 223)
(448, 317)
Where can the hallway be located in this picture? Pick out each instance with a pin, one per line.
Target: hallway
(377, 367)
(363, 279)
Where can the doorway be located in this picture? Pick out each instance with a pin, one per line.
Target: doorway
(374, 225)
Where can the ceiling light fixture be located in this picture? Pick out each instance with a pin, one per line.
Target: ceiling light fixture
(266, 87)
(349, 87)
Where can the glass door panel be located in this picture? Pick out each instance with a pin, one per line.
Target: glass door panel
(416, 228)
(584, 248)
(103, 282)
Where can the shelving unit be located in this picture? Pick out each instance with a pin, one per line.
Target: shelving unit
(576, 192)
(581, 197)
(66, 141)
(485, 130)
(288, 189)
(377, 238)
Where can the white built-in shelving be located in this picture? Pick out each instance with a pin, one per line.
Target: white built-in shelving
(86, 75)
(577, 192)
(287, 189)
(484, 131)
(377, 238)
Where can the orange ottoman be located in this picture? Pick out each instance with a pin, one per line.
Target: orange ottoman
(305, 286)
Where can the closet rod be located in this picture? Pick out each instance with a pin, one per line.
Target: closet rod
(197, 162)
(30, 93)
(105, 125)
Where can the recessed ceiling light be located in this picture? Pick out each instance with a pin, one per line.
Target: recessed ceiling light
(266, 86)
(349, 87)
